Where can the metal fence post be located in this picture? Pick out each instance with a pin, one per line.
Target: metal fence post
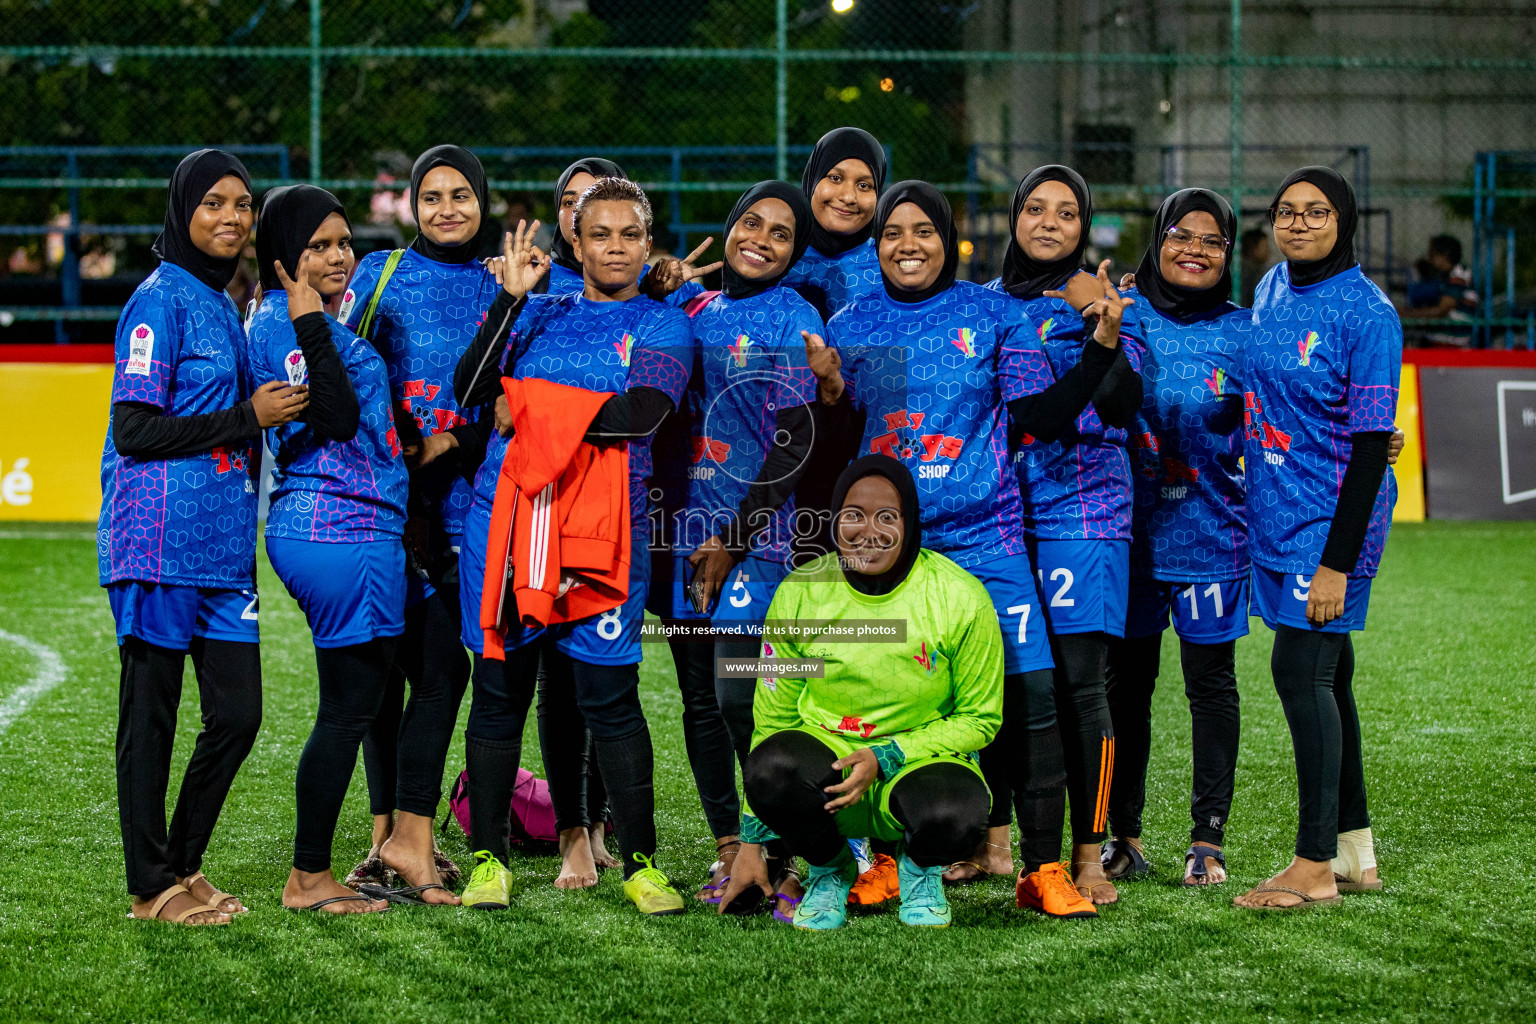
(781, 90)
(315, 85)
(1235, 133)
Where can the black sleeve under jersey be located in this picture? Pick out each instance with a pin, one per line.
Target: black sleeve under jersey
(477, 378)
(636, 413)
(333, 410)
(1048, 414)
(141, 431)
(472, 438)
(1357, 499)
(1118, 397)
(794, 429)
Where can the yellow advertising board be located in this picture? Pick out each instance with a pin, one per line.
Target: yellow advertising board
(52, 426)
(1410, 464)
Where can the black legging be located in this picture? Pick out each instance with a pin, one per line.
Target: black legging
(149, 693)
(1210, 684)
(1024, 767)
(705, 735)
(352, 684)
(734, 696)
(608, 697)
(1087, 734)
(942, 807)
(406, 748)
(1314, 675)
(570, 754)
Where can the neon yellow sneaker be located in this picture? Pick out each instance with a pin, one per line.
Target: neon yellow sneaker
(649, 890)
(490, 885)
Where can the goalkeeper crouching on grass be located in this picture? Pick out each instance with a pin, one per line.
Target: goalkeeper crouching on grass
(883, 745)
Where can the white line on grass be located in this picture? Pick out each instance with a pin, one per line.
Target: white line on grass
(50, 673)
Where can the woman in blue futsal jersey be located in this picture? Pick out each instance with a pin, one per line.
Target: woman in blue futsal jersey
(421, 309)
(940, 367)
(176, 540)
(1075, 480)
(727, 545)
(606, 338)
(337, 516)
(1320, 380)
(842, 182)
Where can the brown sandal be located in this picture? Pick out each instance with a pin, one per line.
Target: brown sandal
(181, 918)
(217, 897)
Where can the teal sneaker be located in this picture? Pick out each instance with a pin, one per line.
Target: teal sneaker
(490, 884)
(825, 903)
(923, 903)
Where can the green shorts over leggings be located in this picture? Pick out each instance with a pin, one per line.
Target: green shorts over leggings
(871, 817)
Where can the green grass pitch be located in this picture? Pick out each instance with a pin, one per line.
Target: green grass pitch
(1445, 684)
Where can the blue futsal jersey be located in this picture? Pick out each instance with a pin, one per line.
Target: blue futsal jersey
(1077, 487)
(831, 282)
(599, 346)
(322, 490)
(563, 281)
(1323, 363)
(752, 366)
(932, 377)
(188, 520)
(1189, 522)
(426, 317)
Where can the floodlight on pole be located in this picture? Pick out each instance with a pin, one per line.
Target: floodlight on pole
(842, 6)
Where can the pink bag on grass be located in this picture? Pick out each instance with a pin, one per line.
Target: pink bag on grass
(533, 816)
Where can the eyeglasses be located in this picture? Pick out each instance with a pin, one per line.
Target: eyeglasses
(1186, 241)
(1315, 217)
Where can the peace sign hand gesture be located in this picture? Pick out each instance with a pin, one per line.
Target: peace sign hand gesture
(523, 263)
(669, 274)
(302, 297)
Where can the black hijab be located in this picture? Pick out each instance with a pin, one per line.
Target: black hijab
(1026, 278)
(194, 176)
(733, 285)
(833, 148)
(290, 216)
(932, 202)
(1342, 256)
(467, 164)
(559, 249)
(912, 528)
(1175, 300)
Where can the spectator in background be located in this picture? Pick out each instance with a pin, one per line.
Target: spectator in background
(1441, 290)
(1256, 256)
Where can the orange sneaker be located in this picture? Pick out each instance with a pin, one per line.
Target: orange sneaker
(878, 884)
(1051, 892)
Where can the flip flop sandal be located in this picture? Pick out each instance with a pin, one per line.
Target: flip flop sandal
(778, 913)
(1123, 860)
(335, 899)
(1307, 902)
(217, 897)
(181, 918)
(982, 874)
(703, 895)
(1199, 853)
(409, 894)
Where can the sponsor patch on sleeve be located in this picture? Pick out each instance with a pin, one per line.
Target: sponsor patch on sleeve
(141, 350)
(293, 363)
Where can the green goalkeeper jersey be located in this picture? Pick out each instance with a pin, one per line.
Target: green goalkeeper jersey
(940, 691)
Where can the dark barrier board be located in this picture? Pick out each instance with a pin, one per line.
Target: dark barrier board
(1479, 442)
